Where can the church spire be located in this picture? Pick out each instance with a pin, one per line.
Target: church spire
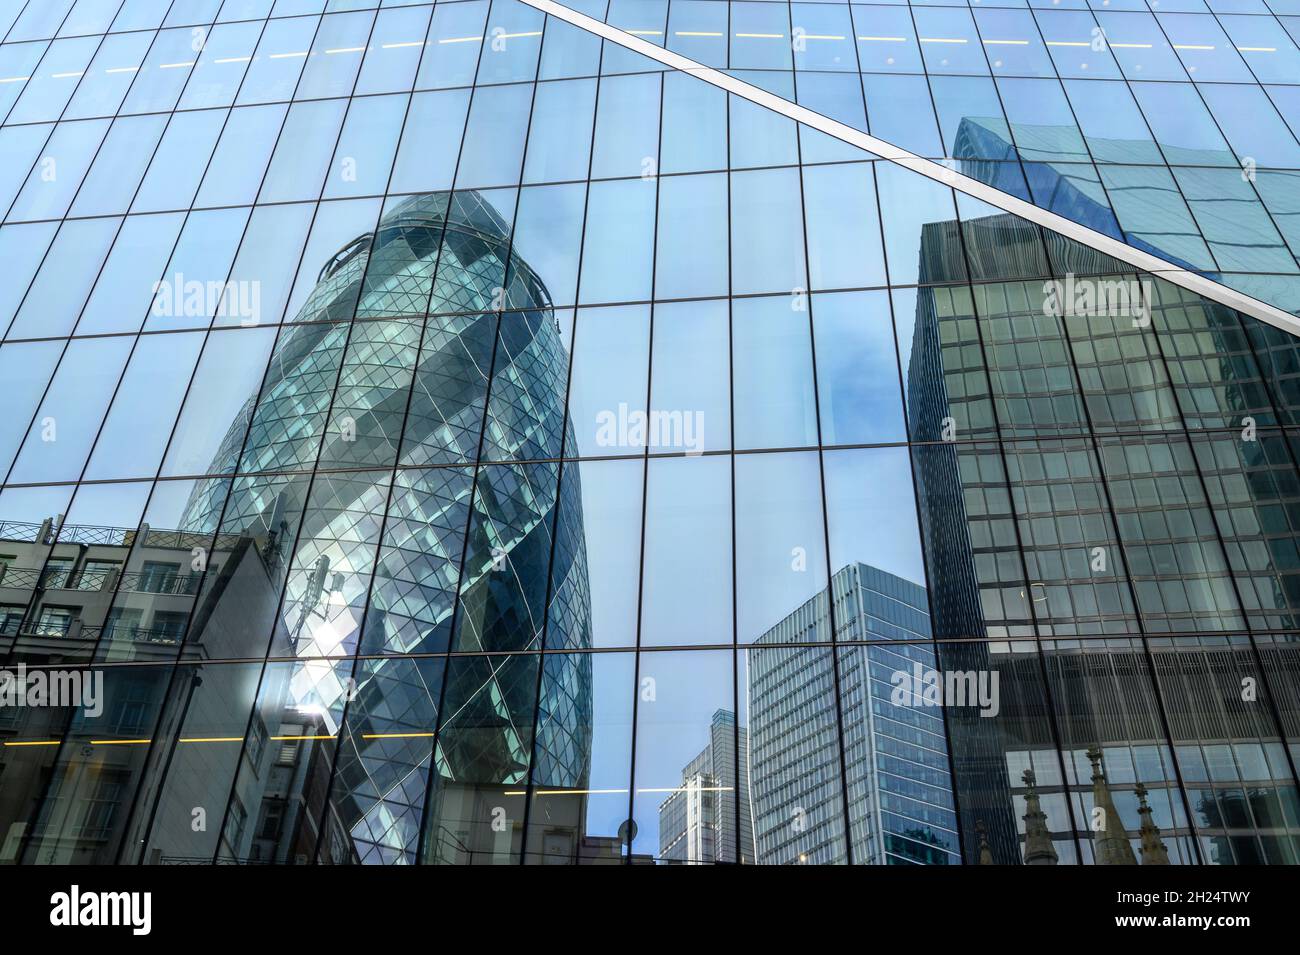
(1110, 841)
(1038, 840)
(986, 852)
(1153, 850)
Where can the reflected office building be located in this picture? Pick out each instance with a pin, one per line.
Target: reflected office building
(1032, 561)
(895, 758)
(337, 763)
(707, 819)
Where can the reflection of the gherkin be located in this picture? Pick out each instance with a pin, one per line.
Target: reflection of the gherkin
(454, 355)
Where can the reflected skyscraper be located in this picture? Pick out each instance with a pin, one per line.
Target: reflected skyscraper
(1022, 535)
(895, 758)
(368, 798)
(707, 819)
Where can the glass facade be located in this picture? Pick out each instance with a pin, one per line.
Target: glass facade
(497, 432)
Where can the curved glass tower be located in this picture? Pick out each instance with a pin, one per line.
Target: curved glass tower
(434, 276)
(382, 377)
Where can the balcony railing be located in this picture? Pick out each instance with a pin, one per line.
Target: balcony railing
(151, 583)
(208, 860)
(62, 578)
(55, 578)
(91, 534)
(59, 578)
(53, 628)
(24, 531)
(48, 532)
(121, 631)
(23, 578)
(70, 628)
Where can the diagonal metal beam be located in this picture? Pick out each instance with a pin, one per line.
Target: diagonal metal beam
(1143, 261)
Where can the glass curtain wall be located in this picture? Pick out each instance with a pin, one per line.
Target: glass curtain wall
(453, 438)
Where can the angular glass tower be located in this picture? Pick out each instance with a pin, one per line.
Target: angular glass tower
(650, 431)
